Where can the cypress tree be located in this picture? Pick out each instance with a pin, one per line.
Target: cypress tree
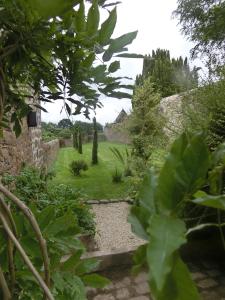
(95, 144)
(75, 139)
(169, 75)
(80, 148)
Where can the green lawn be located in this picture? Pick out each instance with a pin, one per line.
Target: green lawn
(96, 182)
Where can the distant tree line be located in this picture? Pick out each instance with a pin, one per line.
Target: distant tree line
(65, 128)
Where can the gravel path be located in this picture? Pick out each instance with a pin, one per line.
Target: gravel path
(112, 229)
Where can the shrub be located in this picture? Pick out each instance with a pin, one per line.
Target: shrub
(124, 158)
(77, 166)
(32, 188)
(116, 176)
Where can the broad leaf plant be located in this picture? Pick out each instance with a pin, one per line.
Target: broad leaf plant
(189, 167)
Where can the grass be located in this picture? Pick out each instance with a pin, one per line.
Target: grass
(96, 182)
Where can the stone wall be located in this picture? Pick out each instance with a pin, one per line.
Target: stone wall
(27, 149)
(50, 151)
(117, 133)
(171, 107)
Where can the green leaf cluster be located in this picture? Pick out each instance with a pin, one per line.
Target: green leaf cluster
(155, 217)
(53, 50)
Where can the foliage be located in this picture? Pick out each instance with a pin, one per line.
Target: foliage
(125, 160)
(146, 122)
(68, 276)
(203, 22)
(65, 123)
(95, 144)
(51, 131)
(77, 166)
(168, 76)
(204, 109)
(96, 182)
(31, 186)
(65, 199)
(155, 217)
(52, 51)
(116, 176)
(87, 128)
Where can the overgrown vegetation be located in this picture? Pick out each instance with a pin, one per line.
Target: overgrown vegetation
(204, 109)
(77, 166)
(31, 185)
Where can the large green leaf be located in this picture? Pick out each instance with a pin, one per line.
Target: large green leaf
(107, 28)
(118, 44)
(208, 200)
(139, 220)
(80, 18)
(95, 280)
(46, 216)
(114, 66)
(93, 19)
(147, 191)
(52, 8)
(184, 171)
(179, 284)
(72, 261)
(167, 234)
(61, 225)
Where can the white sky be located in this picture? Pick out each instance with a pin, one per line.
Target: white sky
(156, 29)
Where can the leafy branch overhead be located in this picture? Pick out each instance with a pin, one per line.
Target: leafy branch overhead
(58, 52)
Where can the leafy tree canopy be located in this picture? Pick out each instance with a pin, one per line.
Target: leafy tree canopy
(169, 75)
(53, 49)
(65, 123)
(87, 128)
(203, 22)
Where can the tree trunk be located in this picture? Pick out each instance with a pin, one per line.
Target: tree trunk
(95, 144)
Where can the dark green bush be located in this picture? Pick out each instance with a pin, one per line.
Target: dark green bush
(116, 176)
(77, 166)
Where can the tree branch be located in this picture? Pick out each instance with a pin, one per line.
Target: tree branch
(10, 248)
(26, 258)
(27, 212)
(4, 286)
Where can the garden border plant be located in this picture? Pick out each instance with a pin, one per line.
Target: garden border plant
(155, 217)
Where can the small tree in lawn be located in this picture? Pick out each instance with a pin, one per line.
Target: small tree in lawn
(75, 138)
(80, 150)
(95, 144)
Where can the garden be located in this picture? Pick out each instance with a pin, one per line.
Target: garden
(168, 182)
(97, 181)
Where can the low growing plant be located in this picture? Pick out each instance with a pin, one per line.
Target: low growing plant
(117, 176)
(77, 166)
(32, 187)
(124, 158)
